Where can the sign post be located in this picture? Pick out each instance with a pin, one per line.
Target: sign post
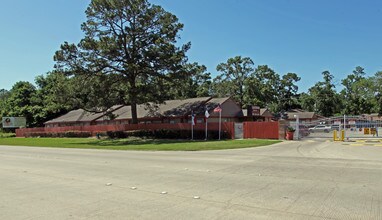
(14, 122)
(206, 114)
(219, 109)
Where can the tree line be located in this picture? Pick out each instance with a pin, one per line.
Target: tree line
(130, 55)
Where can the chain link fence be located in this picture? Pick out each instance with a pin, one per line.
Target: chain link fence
(355, 127)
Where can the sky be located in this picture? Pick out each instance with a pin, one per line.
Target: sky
(300, 36)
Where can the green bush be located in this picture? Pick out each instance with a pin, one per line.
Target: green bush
(152, 134)
(73, 134)
(7, 135)
(116, 134)
(79, 134)
(34, 134)
(175, 134)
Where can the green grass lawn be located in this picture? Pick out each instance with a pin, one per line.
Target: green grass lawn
(7, 135)
(136, 144)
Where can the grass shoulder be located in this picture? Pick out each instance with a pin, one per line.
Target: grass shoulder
(7, 135)
(136, 143)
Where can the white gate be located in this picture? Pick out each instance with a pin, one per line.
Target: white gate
(238, 130)
(354, 127)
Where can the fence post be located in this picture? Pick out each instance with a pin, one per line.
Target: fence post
(344, 133)
(297, 126)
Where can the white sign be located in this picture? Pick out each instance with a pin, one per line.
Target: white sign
(14, 122)
(256, 110)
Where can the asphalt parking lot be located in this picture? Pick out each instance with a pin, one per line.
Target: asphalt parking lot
(311, 179)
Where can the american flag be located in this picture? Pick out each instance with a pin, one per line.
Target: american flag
(218, 108)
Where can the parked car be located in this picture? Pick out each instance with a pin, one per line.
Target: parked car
(335, 127)
(304, 131)
(320, 128)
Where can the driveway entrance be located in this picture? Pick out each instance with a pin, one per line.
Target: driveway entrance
(291, 180)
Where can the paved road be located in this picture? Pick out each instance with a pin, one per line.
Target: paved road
(291, 180)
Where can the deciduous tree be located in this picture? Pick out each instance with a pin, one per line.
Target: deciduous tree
(262, 87)
(232, 79)
(20, 102)
(322, 97)
(131, 38)
(358, 93)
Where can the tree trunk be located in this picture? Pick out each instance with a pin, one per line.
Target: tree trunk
(133, 101)
(134, 113)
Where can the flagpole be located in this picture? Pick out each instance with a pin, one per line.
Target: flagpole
(206, 115)
(192, 124)
(192, 129)
(206, 128)
(220, 123)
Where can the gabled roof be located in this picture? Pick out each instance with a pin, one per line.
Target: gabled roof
(73, 116)
(216, 101)
(81, 115)
(372, 115)
(170, 108)
(210, 104)
(263, 112)
(301, 114)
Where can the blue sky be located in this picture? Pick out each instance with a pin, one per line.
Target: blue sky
(301, 36)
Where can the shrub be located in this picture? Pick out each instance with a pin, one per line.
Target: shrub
(153, 134)
(7, 135)
(176, 134)
(116, 134)
(291, 129)
(34, 134)
(79, 134)
(73, 134)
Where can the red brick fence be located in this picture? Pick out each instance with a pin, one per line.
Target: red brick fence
(262, 130)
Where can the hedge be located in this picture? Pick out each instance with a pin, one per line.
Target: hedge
(73, 134)
(154, 134)
(166, 134)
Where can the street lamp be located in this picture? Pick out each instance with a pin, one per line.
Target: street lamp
(297, 126)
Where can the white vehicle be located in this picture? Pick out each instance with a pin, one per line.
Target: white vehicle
(336, 127)
(320, 128)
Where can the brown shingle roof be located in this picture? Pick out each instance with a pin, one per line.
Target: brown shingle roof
(263, 112)
(73, 116)
(170, 108)
(80, 115)
(301, 115)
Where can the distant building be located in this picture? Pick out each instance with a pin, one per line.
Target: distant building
(253, 113)
(304, 116)
(373, 117)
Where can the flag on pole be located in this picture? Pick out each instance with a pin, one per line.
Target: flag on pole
(192, 124)
(218, 108)
(206, 114)
(193, 119)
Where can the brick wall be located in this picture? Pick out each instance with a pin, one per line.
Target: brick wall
(226, 126)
